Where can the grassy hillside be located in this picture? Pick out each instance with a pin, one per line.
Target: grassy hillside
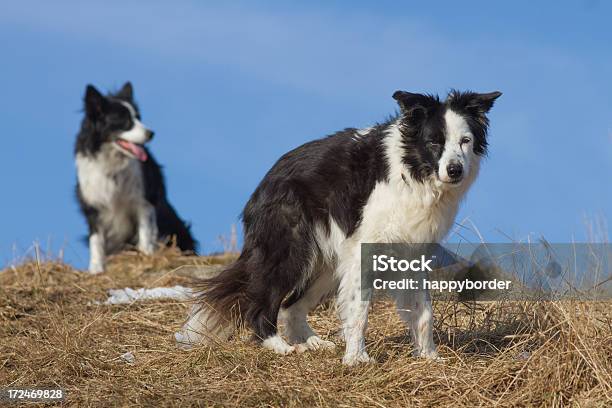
(505, 354)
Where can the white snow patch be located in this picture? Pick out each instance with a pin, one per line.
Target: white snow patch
(129, 295)
(128, 357)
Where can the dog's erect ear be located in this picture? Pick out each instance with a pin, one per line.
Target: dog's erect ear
(95, 102)
(485, 101)
(481, 102)
(413, 105)
(126, 92)
(408, 100)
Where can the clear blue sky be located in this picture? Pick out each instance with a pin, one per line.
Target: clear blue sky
(229, 88)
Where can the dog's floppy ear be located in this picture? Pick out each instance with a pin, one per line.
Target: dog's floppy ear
(95, 102)
(413, 105)
(126, 92)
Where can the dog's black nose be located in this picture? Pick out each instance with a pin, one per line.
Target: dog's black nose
(150, 134)
(454, 170)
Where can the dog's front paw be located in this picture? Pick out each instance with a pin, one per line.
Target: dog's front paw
(427, 354)
(355, 359)
(182, 341)
(95, 268)
(147, 248)
(186, 340)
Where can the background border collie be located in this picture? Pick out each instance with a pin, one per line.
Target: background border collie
(397, 182)
(120, 186)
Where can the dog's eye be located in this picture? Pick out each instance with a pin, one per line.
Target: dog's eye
(465, 140)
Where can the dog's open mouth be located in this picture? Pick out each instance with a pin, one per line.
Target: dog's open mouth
(132, 149)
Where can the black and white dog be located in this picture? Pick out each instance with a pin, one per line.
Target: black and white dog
(397, 182)
(120, 186)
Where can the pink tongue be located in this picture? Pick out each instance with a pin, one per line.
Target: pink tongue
(135, 149)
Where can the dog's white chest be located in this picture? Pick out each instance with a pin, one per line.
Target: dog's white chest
(102, 186)
(395, 214)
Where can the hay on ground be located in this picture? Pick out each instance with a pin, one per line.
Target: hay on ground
(495, 354)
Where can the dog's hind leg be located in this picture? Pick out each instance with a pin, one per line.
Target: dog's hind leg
(295, 311)
(262, 314)
(277, 269)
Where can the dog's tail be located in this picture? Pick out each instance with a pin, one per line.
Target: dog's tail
(219, 301)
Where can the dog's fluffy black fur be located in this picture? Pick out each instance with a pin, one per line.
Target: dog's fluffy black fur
(399, 181)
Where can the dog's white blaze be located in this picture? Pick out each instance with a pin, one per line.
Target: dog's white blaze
(138, 132)
(454, 152)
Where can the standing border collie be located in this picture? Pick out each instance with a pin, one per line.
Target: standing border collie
(399, 181)
(120, 186)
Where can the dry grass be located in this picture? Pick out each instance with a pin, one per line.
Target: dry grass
(496, 354)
